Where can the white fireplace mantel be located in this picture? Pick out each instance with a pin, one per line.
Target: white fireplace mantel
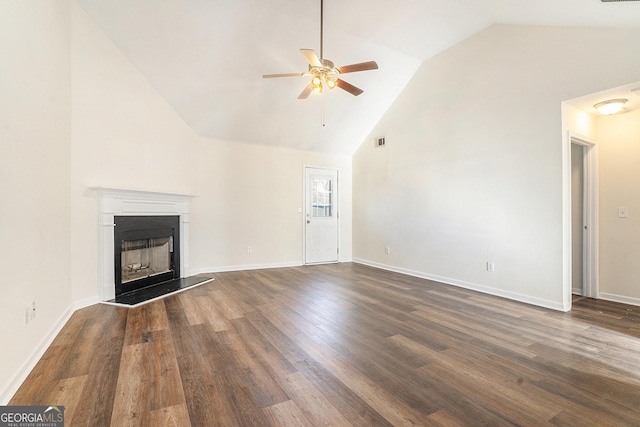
(117, 202)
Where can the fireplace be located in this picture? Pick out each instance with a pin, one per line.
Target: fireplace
(116, 204)
(146, 251)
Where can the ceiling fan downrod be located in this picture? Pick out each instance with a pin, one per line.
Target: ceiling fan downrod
(321, 29)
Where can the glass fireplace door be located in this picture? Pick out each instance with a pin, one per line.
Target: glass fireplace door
(145, 258)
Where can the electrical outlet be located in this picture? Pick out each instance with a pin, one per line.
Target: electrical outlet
(33, 310)
(249, 250)
(387, 250)
(490, 267)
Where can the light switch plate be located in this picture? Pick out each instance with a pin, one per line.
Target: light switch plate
(623, 213)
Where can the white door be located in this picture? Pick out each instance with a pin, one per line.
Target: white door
(577, 220)
(321, 215)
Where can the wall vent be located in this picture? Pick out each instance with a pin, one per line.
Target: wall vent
(380, 141)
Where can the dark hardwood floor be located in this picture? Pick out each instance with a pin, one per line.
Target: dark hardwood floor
(340, 345)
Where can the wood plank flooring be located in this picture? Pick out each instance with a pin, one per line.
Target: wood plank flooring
(341, 345)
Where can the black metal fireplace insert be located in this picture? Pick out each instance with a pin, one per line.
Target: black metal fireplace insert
(146, 251)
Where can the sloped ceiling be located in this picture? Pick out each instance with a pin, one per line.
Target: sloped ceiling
(207, 57)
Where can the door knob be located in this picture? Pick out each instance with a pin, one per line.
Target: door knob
(308, 221)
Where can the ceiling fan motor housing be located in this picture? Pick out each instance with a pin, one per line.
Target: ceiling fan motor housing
(327, 64)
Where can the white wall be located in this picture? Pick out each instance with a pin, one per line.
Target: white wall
(472, 170)
(619, 152)
(579, 122)
(249, 195)
(34, 177)
(124, 135)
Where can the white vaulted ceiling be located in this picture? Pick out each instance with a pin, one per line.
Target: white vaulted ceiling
(207, 57)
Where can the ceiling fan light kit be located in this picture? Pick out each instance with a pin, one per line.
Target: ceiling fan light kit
(323, 73)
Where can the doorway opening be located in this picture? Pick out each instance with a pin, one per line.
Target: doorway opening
(584, 217)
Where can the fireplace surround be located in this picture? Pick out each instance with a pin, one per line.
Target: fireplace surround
(115, 204)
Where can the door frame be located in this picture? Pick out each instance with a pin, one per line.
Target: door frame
(590, 220)
(304, 209)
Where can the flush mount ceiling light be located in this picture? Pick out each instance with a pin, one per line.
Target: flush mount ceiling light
(611, 106)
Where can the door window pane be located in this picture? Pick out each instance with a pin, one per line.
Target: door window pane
(321, 198)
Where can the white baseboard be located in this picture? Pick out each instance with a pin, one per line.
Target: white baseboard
(467, 285)
(222, 269)
(87, 302)
(14, 384)
(619, 298)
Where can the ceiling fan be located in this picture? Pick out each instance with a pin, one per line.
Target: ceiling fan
(323, 73)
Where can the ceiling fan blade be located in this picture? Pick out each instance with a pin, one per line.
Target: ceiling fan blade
(362, 66)
(270, 76)
(312, 58)
(355, 91)
(306, 92)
